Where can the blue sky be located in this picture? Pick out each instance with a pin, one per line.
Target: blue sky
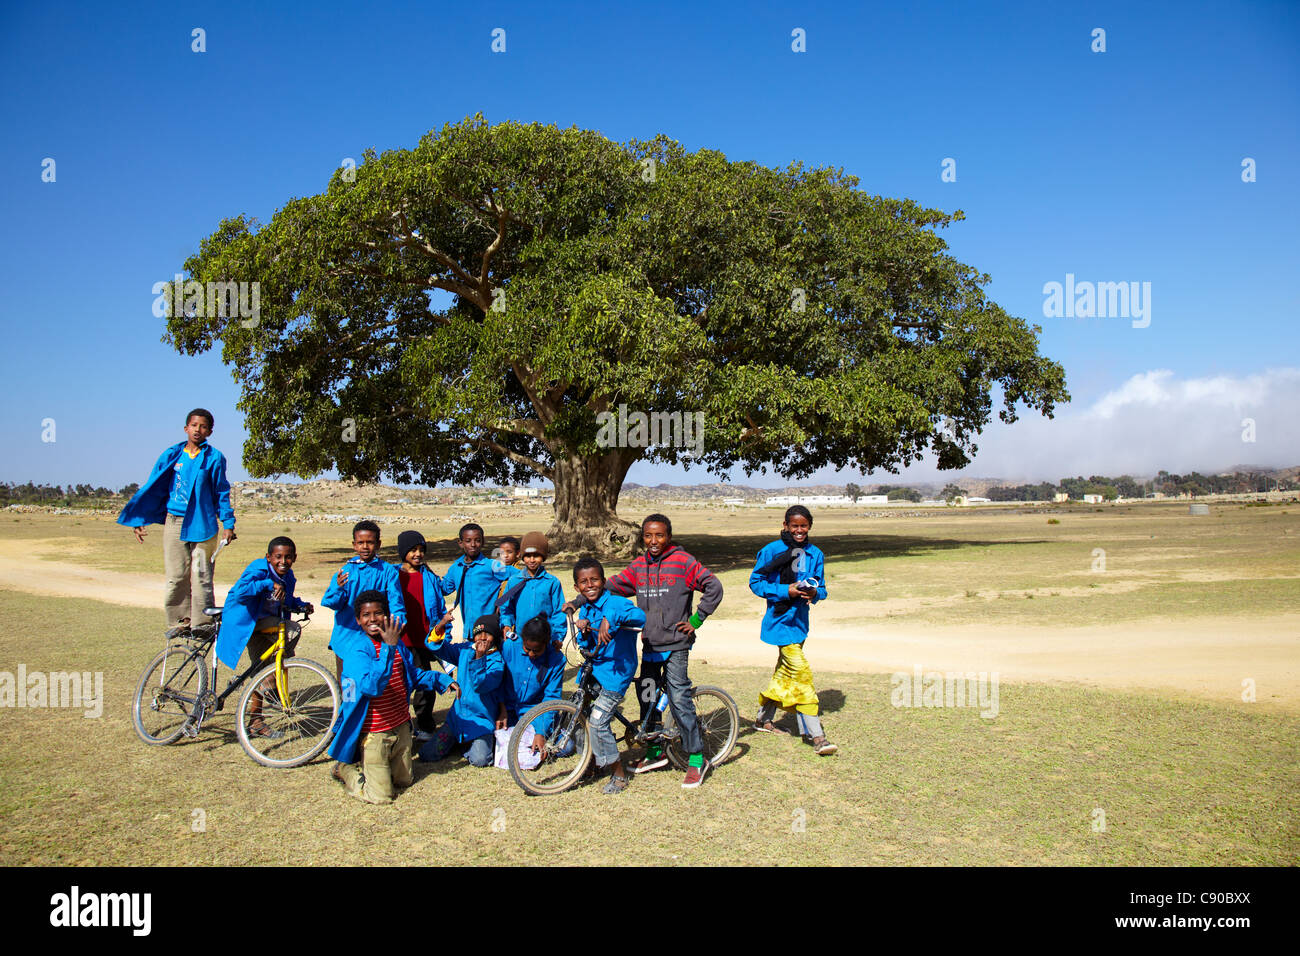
(1115, 166)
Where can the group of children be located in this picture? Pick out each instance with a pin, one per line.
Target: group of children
(392, 623)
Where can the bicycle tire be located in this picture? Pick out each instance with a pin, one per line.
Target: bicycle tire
(719, 723)
(556, 773)
(164, 704)
(306, 723)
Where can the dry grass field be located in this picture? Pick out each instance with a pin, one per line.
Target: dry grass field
(1121, 691)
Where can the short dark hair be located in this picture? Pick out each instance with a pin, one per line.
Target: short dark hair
(587, 562)
(281, 541)
(365, 526)
(468, 527)
(659, 519)
(509, 539)
(537, 630)
(794, 510)
(370, 597)
(202, 413)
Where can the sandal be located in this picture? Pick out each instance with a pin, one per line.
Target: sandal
(823, 747)
(767, 727)
(260, 728)
(616, 784)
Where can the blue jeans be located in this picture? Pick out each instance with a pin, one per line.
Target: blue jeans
(443, 742)
(603, 742)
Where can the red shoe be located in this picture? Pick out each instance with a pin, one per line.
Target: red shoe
(695, 775)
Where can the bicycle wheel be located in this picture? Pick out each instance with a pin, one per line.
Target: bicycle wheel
(719, 724)
(303, 719)
(168, 694)
(567, 753)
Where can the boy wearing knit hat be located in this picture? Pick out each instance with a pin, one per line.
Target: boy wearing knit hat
(536, 591)
(425, 607)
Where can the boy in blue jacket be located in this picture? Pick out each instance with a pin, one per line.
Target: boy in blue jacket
(185, 493)
(607, 626)
(361, 572)
(480, 700)
(372, 743)
(474, 579)
(422, 594)
(534, 673)
(251, 618)
(534, 591)
(790, 574)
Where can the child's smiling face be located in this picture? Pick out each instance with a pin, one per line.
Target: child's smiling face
(589, 583)
(415, 557)
(798, 526)
(655, 537)
(281, 558)
(533, 561)
(471, 543)
(371, 616)
(365, 544)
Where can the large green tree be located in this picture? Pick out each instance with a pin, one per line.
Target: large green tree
(466, 310)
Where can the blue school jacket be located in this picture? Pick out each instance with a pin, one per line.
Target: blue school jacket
(375, 575)
(209, 495)
(615, 663)
(528, 683)
(243, 608)
(792, 626)
(365, 675)
(434, 605)
(474, 713)
(543, 594)
(478, 593)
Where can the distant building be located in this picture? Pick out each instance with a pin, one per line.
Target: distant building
(521, 492)
(1092, 499)
(733, 501)
(1061, 496)
(824, 501)
(873, 499)
(977, 501)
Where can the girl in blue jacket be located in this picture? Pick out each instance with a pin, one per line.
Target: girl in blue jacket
(480, 702)
(790, 574)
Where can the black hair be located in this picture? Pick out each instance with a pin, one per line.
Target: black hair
(281, 541)
(365, 526)
(587, 562)
(658, 519)
(370, 597)
(537, 630)
(508, 539)
(798, 510)
(468, 527)
(202, 413)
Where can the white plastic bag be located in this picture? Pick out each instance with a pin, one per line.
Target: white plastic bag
(527, 758)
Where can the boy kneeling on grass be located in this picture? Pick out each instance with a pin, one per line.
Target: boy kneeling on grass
(374, 722)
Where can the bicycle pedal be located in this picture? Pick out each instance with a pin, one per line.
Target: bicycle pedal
(190, 729)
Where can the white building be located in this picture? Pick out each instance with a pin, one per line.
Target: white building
(1092, 499)
(521, 492)
(1061, 496)
(733, 501)
(822, 501)
(873, 499)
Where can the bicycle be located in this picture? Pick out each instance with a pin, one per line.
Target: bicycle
(566, 752)
(299, 698)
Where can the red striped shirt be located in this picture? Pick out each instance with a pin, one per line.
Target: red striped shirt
(388, 711)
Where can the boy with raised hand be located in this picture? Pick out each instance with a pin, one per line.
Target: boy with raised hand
(534, 591)
(790, 574)
(185, 493)
(361, 572)
(664, 580)
(251, 618)
(372, 743)
(534, 673)
(425, 608)
(607, 626)
(479, 709)
(473, 578)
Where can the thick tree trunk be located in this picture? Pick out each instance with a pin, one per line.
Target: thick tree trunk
(586, 496)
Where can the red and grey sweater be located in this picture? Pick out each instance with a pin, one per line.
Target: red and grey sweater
(665, 590)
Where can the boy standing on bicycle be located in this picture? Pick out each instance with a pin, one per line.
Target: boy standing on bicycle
(607, 626)
(251, 617)
(374, 723)
(665, 580)
(361, 572)
(185, 493)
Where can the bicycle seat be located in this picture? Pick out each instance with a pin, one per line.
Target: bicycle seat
(213, 612)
